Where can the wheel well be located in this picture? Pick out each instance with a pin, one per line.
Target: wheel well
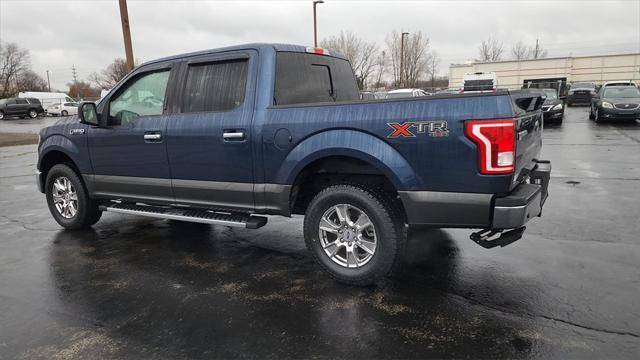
(53, 158)
(332, 170)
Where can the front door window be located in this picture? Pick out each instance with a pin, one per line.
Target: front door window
(144, 96)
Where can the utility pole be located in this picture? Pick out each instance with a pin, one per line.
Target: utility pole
(536, 51)
(75, 80)
(74, 73)
(48, 81)
(402, 57)
(315, 22)
(126, 33)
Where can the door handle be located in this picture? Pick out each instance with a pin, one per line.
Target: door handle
(152, 137)
(233, 135)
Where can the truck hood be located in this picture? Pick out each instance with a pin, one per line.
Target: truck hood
(68, 120)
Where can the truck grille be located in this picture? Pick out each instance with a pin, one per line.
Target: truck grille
(626, 106)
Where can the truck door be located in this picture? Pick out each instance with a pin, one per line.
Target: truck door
(128, 153)
(210, 144)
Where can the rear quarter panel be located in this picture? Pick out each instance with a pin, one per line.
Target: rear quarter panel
(422, 162)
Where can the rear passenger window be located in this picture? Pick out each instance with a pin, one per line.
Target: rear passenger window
(217, 86)
(21, 101)
(308, 78)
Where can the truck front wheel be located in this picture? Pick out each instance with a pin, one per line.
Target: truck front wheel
(68, 201)
(354, 233)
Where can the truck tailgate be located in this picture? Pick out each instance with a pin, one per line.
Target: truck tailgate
(529, 125)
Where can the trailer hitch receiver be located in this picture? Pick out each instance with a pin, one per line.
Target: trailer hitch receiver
(490, 238)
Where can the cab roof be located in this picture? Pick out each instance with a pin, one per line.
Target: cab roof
(255, 46)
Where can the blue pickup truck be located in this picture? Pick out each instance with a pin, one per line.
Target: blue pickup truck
(229, 135)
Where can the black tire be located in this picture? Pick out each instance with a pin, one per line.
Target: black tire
(389, 225)
(591, 113)
(64, 113)
(87, 212)
(1, 115)
(596, 116)
(33, 113)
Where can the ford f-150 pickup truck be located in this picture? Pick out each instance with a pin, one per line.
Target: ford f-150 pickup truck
(227, 136)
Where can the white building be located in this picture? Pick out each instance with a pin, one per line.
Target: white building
(513, 74)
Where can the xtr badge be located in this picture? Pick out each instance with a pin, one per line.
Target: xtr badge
(431, 128)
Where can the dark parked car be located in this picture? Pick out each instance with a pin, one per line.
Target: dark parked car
(552, 108)
(616, 102)
(580, 93)
(225, 136)
(21, 107)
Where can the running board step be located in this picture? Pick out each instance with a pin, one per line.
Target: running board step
(192, 215)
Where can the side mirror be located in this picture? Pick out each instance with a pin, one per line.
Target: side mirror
(88, 114)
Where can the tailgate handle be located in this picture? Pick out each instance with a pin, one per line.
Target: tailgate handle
(522, 134)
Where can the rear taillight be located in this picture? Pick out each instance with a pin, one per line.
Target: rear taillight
(496, 141)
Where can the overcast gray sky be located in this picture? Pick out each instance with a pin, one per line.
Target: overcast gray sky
(88, 34)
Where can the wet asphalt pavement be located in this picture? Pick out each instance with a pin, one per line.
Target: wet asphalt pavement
(138, 287)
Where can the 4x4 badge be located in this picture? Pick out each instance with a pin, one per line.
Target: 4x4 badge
(432, 128)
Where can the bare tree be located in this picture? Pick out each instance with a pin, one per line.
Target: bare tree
(28, 80)
(538, 52)
(520, 51)
(380, 68)
(434, 62)
(362, 55)
(416, 57)
(491, 50)
(110, 76)
(13, 62)
(82, 90)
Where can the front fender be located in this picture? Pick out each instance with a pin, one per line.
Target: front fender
(57, 142)
(351, 143)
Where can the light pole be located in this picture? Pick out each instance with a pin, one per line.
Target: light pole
(402, 57)
(315, 25)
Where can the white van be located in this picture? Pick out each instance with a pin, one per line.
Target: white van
(47, 98)
(479, 82)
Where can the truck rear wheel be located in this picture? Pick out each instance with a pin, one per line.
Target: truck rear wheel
(68, 200)
(354, 233)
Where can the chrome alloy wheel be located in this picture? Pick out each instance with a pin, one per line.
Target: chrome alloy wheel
(65, 197)
(347, 236)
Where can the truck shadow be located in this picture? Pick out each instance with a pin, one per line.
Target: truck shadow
(197, 290)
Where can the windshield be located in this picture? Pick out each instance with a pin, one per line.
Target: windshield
(583, 85)
(623, 92)
(550, 94)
